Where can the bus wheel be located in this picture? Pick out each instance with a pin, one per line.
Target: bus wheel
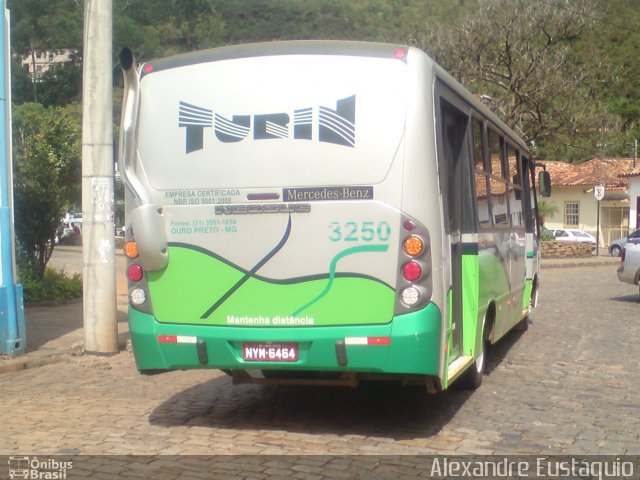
(522, 325)
(472, 378)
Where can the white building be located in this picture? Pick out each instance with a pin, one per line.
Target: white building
(572, 193)
(44, 60)
(634, 197)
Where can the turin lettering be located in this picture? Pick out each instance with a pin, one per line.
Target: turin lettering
(332, 126)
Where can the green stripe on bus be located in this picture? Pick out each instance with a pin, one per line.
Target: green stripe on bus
(332, 270)
(470, 248)
(193, 281)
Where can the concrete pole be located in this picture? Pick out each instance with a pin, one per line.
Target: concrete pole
(99, 270)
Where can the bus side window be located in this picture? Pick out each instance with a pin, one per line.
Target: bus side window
(515, 186)
(483, 210)
(455, 168)
(497, 182)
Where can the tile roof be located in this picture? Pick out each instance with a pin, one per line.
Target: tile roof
(613, 173)
(635, 172)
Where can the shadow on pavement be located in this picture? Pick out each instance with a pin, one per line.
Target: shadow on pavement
(373, 409)
(60, 326)
(498, 351)
(627, 298)
(370, 410)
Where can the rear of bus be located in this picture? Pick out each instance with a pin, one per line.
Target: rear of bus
(265, 202)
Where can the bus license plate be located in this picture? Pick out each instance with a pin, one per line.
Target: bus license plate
(270, 352)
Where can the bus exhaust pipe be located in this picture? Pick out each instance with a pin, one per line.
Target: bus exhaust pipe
(130, 104)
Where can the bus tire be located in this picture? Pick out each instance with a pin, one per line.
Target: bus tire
(522, 325)
(472, 378)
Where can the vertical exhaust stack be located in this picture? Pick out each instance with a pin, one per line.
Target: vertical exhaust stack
(126, 152)
(147, 218)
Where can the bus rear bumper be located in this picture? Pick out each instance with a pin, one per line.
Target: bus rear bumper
(413, 346)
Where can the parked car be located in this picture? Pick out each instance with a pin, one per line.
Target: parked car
(618, 245)
(573, 235)
(629, 269)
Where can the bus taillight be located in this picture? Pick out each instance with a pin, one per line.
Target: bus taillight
(131, 250)
(134, 272)
(413, 245)
(138, 296)
(411, 271)
(410, 296)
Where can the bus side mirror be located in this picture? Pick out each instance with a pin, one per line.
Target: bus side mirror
(544, 181)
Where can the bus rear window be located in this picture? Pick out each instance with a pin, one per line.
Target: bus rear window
(300, 121)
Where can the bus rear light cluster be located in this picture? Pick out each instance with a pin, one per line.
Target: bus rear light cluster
(414, 280)
(138, 288)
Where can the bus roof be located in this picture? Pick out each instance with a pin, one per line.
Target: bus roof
(326, 47)
(298, 47)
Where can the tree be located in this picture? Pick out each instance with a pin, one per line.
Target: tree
(44, 24)
(612, 49)
(61, 84)
(516, 55)
(161, 28)
(21, 87)
(46, 153)
(546, 210)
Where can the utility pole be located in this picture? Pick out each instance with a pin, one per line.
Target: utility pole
(12, 326)
(99, 270)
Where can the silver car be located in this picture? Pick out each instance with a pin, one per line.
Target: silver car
(629, 269)
(618, 245)
(573, 235)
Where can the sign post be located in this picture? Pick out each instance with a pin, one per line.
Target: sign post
(598, 192)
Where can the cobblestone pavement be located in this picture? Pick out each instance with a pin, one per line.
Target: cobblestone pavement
(567, 386)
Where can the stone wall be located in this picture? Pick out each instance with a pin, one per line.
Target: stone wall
(552, 249)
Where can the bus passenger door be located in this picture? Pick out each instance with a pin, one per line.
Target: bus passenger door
(517, 238)
(455, 178)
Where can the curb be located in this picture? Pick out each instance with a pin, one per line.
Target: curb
(38, 359)
(578, 264)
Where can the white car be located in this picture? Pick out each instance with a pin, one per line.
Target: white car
(573, 235)
(629, 269)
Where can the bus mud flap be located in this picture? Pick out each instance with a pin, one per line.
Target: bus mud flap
(201, 348)
(341, 353)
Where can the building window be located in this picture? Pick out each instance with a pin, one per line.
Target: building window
(571, 214)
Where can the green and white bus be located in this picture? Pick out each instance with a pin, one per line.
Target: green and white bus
(321, 212)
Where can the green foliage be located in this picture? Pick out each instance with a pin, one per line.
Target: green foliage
(574, 93)
(612, 50)
(38, 25)
(54, 287)
(546, 210)
(546, 235)
(21, 86)
(46, 178)
(161, 28)
(62, 83)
